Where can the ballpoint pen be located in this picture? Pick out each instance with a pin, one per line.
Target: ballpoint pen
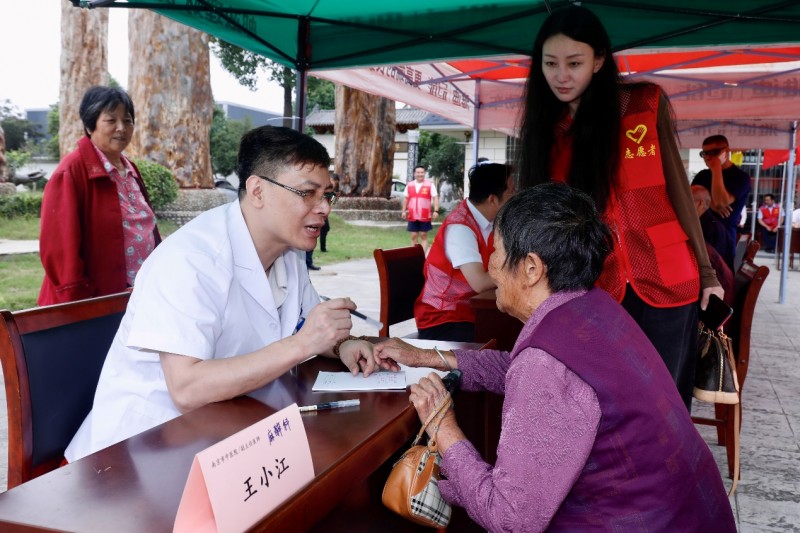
(330, 405)
(371, 321)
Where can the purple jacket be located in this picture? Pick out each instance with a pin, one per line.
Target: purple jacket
(597, 441)
(649, 469)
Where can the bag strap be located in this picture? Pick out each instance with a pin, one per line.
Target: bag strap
(736, 420)
(441, 409)
(736, 466)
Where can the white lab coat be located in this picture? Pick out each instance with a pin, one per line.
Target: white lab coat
(202, 293)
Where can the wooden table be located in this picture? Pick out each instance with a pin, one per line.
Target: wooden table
(491, 323)
(136, 485)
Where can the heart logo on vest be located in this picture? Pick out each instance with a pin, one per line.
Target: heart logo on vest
(637, 134)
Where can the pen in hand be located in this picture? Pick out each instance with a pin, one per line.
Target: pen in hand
(371, 321)
(330, 405)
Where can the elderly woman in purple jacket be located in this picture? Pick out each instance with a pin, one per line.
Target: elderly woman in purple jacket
(594, 433)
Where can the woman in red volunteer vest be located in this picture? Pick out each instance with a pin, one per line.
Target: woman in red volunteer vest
(615, 141)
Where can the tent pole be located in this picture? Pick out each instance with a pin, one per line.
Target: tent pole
(476, 131)
(301, 72)
(755, 196)
(787, 208)
(301, 78)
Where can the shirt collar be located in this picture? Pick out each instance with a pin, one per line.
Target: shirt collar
(482, 221)
(107, 164)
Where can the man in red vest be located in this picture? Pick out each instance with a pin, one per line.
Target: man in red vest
(417, 199)
(456, 268)
(769, 218)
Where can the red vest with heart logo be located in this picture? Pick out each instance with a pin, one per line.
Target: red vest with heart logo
(651, 250)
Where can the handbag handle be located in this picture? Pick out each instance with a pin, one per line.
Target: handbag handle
(445, 403)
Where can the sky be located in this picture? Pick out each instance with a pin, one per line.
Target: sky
(30, 54)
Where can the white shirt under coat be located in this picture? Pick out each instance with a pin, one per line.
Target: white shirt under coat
(460, 243)
(202, 293)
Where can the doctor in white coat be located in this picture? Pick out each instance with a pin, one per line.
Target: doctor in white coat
(217, 308)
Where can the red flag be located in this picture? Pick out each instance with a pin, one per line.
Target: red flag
(776, 157)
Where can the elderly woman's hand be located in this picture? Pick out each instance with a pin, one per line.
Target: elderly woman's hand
(426, 398)
(389, 353)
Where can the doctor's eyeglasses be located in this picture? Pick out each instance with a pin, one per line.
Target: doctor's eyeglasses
(309, 197)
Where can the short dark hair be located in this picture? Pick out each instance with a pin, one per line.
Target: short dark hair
(420, 166)
(562, 226)
(99, 99)
(487, 179)
(267, 150)
(716, 139)
(770, 196)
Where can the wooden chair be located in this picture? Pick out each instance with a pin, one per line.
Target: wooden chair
(747, 286)
(741, 249)
(52, 357)
(749, 254)
(794, 246)
(401, 281)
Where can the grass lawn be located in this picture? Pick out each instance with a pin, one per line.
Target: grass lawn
(21, 275)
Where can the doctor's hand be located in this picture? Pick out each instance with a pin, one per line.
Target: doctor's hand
(325, 325)
(357, 356)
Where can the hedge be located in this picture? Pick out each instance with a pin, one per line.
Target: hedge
(161, 185)
(21, 205)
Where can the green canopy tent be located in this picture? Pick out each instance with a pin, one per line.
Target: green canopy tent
(312, 35)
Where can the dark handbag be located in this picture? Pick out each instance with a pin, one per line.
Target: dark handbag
(715, 378)
(716, 381)
(412, 488)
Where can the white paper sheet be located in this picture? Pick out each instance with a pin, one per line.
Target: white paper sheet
(413, 375)
(345, 381)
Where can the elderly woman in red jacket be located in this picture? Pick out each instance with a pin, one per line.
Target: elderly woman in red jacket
(97, 223)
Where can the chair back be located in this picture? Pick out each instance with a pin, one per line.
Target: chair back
(52, 357)
(400, 273)
(743, 250)
(747, 285)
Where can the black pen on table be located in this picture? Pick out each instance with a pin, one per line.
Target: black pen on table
(330, 405)
(371, 321)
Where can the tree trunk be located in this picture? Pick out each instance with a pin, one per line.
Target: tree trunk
(3, 163)
(84, 64)
(365, 129)
(170, 86)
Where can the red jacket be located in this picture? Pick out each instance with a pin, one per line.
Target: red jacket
(446, 293)
(81, 242)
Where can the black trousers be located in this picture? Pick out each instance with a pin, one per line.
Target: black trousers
(450, 331)
(673, 332)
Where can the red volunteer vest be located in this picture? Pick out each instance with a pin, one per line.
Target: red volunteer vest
(651, 250)
(446, 293)
(770, 214)
(419, 203)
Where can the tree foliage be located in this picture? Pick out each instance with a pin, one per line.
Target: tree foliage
(20, 132)
(320, 93)
(246, 66)
(53, 124)
(443, 157)
(225, 137)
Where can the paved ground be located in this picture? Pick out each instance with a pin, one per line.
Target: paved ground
(768, 497)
